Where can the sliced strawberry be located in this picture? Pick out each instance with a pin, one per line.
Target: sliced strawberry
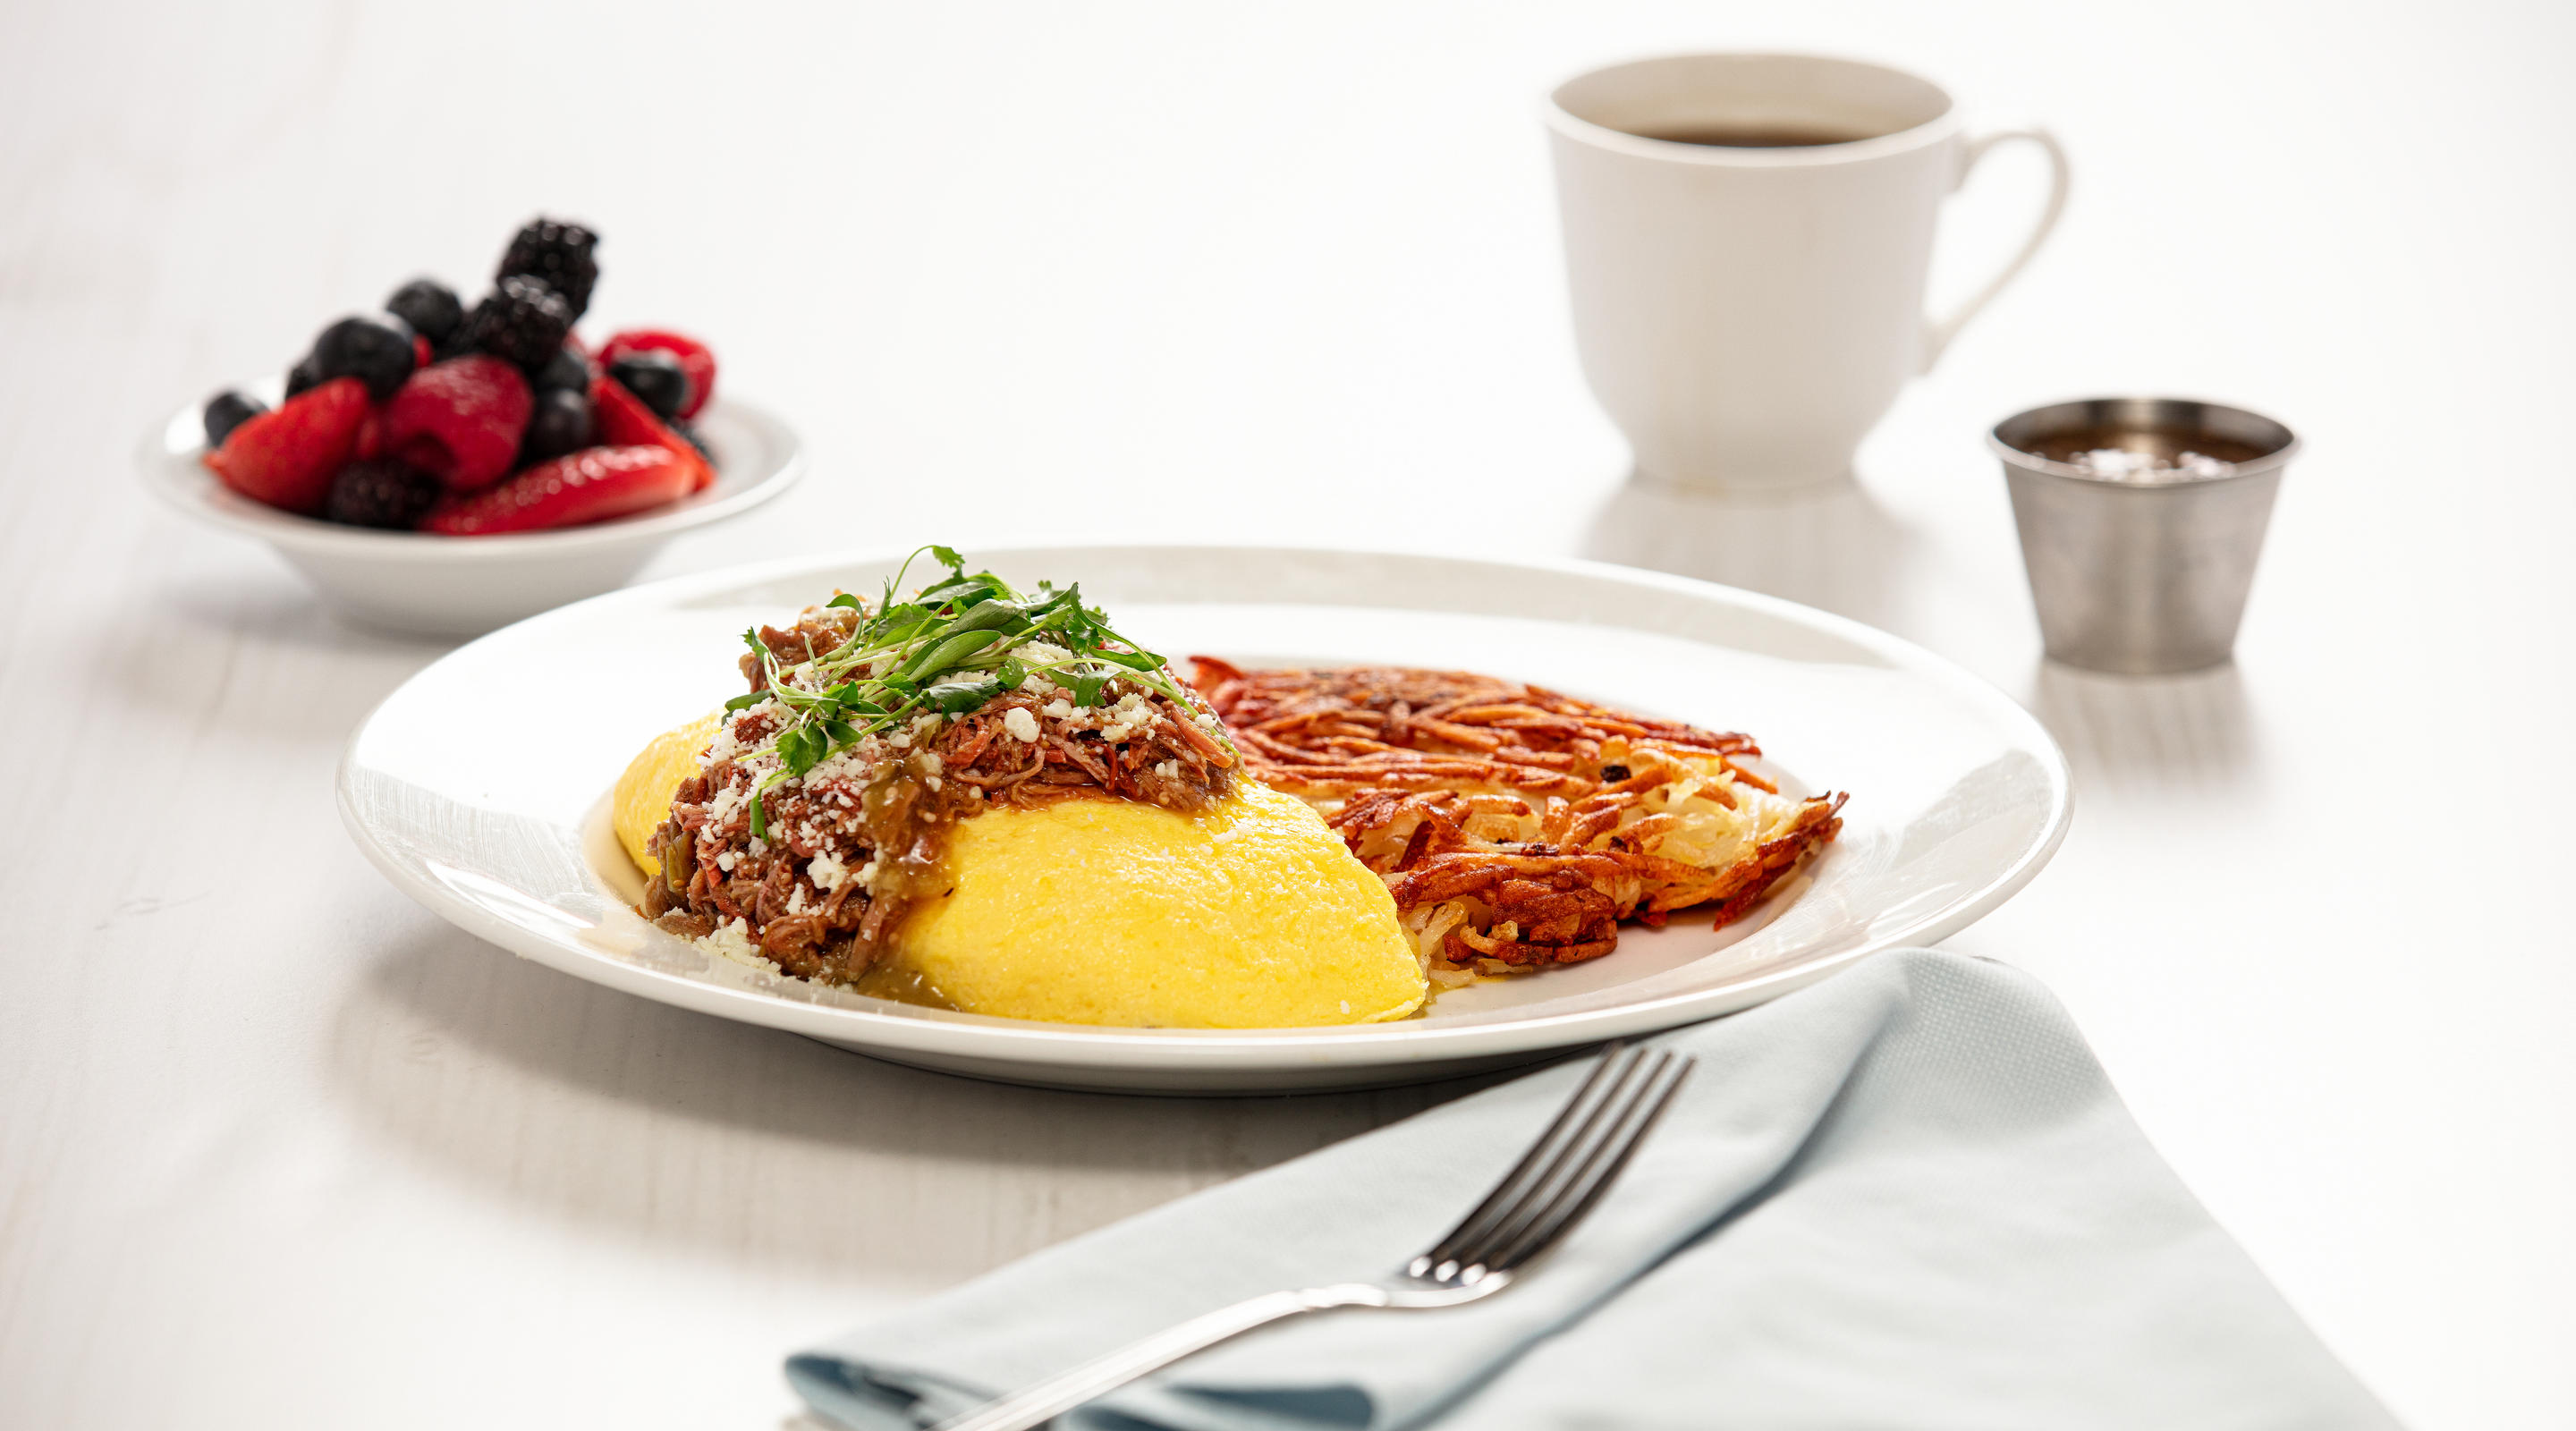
(371, 435)
(591, 485)
(695, 359)
(287, 458)
(620, 419)
(460, 420)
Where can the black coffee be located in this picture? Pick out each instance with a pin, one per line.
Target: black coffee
(1753, 136)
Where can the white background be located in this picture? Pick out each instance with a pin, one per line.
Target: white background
(279, 1149)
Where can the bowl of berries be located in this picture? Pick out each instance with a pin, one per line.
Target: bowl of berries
(441, 469)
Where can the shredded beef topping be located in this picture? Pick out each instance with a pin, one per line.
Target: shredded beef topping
(855, 842)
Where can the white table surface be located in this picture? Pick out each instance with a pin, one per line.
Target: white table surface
(279, 1149)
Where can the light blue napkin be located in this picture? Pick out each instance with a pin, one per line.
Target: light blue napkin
(1906, 1196)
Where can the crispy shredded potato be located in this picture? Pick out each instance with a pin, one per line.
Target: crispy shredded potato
(1517, 827)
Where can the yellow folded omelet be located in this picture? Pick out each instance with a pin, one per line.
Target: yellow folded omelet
(643, 798)
(1250, 914)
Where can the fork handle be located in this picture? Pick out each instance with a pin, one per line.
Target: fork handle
(1036, 1405)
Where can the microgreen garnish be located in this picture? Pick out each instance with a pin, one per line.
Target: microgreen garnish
(956, 644)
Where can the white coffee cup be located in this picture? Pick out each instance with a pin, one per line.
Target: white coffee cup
(1747, 314)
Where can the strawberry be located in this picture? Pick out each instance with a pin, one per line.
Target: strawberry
(591, 485)
(460, 420)
(287, 458)
(695, 359)
(371, 435)
(620, 419)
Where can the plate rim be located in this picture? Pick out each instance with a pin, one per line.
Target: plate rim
(905, 1033)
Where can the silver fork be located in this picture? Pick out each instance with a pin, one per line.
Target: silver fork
(1537, 1202)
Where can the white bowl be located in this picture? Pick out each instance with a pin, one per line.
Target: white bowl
(464, 586)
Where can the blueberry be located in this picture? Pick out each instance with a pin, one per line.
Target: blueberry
(305, 376)
(560, 424)
(567, 369)
(380, 492)
(227, 410)
(657, 378)
(431, 308)
(374, 348)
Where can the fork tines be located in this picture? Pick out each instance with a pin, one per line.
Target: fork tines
(1565, 1171)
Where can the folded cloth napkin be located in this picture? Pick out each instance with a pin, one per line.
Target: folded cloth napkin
(1906, 1196)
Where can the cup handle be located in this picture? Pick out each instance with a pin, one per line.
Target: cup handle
(1937, 333)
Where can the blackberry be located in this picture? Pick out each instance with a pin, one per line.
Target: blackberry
(380, 492)
(567, 370)
(303, 377)
(691, 436)
(374, 348)
(431, 308)
(227, 410)
(559, 255)
(523, 320)
(560, 424)
(657, 378)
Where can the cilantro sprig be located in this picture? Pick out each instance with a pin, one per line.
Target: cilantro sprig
(957, 643)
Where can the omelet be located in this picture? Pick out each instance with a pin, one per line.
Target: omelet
(643, 797)
(1249, 914)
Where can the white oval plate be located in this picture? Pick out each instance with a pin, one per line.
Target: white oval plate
(479, 788)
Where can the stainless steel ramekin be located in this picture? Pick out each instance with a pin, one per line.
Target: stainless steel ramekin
(2141, 577)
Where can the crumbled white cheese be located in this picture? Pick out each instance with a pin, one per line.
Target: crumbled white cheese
(732, 940)
(1021, 724)
(725, 745)
(930, 763)
(1060, 709)
(826, 871)
(1131, 714)
(726, 860)
(931, 781)
(727, 803)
